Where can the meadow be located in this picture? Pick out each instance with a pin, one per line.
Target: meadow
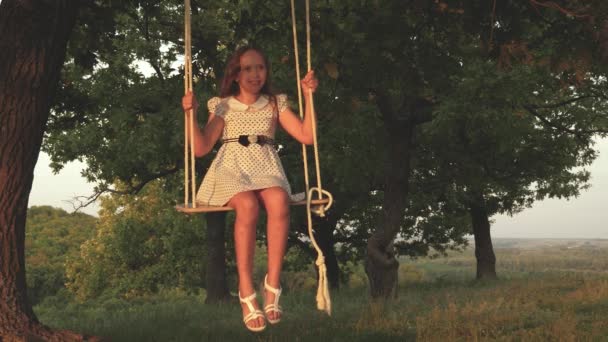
(547, 290)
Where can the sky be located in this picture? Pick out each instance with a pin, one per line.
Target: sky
(59, 190)
(584, 217)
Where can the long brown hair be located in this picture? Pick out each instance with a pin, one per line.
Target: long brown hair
(230, 87)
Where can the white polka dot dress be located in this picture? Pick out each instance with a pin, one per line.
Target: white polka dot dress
(237, 168)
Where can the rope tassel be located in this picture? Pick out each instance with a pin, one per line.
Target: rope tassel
(323, 299)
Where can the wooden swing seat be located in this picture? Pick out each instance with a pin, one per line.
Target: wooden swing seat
(211, 208)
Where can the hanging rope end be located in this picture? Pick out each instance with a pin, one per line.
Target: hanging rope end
(323, 298)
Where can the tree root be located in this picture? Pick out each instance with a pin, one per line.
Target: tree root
(41, 333)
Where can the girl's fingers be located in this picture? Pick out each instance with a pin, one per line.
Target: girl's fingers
(310, 81)
(188, 101)
(310, 75)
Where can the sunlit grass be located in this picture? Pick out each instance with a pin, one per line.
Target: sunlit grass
(541, 295)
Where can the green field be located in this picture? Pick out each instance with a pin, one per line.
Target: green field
(548, 290)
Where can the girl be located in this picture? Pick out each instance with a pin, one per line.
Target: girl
(247, 172)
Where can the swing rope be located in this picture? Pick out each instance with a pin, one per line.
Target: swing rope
(189, 161)
(323, 298)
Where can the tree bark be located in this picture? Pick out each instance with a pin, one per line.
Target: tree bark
(215, 279)
(32, 50)
(484, 251)
(381, 265)
(324, 235)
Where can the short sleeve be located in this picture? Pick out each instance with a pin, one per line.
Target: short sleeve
(217, 106)
(282, 103)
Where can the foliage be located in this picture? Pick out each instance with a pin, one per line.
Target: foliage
(513, 109)
(142, 245)
(489, 145)
(52, 236)
(118, 106)
(515, 128)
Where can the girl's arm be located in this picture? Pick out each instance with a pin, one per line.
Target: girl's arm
(301, 130)
(205, 140)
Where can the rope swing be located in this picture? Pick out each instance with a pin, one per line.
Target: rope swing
(318, 206)
(323, 299)
(189, 160)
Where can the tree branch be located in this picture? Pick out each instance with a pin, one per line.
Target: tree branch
(553, 5)
(563, 103)
(532, 110)
(84, 201)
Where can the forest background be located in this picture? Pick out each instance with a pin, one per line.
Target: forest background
(436, 117)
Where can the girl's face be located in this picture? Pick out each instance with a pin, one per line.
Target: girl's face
(253, 73)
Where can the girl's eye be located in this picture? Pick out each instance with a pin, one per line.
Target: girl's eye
(250, 68)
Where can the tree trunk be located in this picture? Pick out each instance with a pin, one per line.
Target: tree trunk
(215, 279)
(381, 265)
(32, 50)
(484, 252)
(324, 235)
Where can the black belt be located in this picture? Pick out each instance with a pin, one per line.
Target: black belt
(246, 140)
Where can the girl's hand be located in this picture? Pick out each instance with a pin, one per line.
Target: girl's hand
(189, 102)
(309, 82)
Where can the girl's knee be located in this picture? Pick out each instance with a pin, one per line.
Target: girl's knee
(245, 204)
(276, 192)
(276, 201)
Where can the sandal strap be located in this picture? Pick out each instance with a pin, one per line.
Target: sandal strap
(253, 315)
(273, 307)
(247, 300)
(277, 294)
(275, 291)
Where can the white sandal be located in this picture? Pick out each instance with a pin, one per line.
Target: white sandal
(274, 307)
(253, 313)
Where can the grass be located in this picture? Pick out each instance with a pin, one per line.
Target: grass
(541, 295)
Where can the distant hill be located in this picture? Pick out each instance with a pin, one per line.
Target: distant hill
(548, 243)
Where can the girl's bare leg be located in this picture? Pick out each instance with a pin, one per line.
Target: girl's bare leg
(276, 202)
(246, 206)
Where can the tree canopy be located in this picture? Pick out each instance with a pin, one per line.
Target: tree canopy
(447, 106)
